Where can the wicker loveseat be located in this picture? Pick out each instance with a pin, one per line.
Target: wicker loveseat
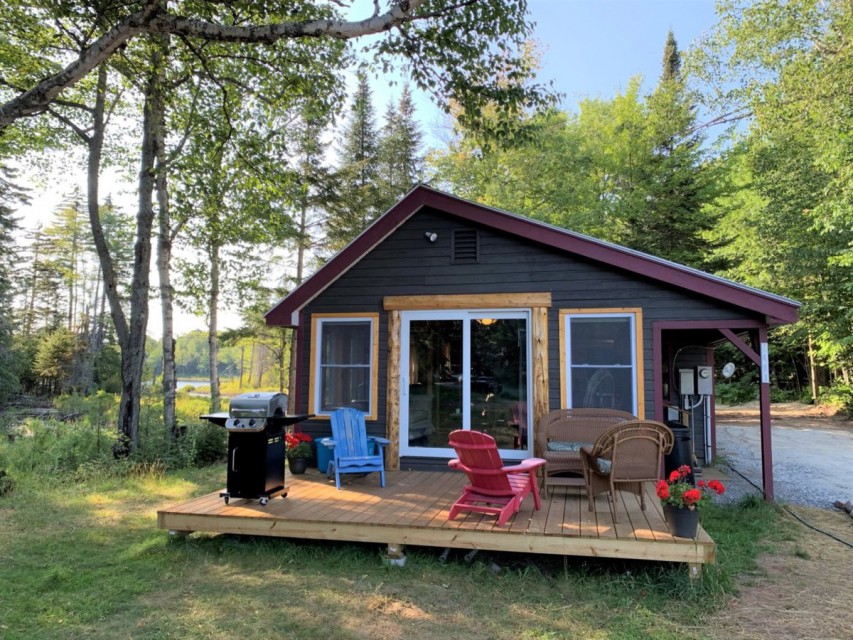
(560, 436)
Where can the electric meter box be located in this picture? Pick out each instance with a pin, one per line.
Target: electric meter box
(687, 382)
(704, 381)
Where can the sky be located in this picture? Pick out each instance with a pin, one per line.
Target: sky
(589, 48)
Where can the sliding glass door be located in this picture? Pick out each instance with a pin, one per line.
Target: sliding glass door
(464, 370)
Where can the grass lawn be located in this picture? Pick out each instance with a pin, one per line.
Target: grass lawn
(86, 560)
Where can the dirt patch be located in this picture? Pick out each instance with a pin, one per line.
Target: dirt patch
(802, 590)
(785, 414)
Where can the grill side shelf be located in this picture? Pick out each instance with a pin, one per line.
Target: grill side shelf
(216, 418)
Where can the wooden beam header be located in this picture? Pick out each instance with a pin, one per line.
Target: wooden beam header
(468, 301)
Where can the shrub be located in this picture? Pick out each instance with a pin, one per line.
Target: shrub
(784, 395)
(53, 447)
(6, 483)
(839, 395)
(736, 391)
(207, 442)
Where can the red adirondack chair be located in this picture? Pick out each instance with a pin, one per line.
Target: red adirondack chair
(494, 488)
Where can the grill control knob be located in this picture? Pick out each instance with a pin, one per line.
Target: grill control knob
(251, 422)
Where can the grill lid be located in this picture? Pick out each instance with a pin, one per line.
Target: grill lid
(265, 404)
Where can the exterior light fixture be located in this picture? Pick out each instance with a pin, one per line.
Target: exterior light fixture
(432, 237)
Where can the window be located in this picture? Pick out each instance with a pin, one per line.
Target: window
(344, 353)
(602, 359)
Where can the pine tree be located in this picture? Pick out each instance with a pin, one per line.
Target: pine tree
(671, 60)
(9, 382)
(359, 201)
(676, 181)
(400, 157)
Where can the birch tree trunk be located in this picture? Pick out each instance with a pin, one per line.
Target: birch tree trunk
(130, 335)
(813, 381)
(165, 238)
(133, 349)
(212, 338)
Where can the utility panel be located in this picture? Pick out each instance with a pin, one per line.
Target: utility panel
(687, 382)
(704, 381)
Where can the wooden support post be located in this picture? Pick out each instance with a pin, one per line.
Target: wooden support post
(695, 570)
(764, 402)
(392, 393)
(539, 334)
(395, 555)
(178, 535)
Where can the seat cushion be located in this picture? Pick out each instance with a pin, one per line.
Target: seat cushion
(557, 445)
(603, 466)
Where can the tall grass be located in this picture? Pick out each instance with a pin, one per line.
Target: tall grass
(82, 442)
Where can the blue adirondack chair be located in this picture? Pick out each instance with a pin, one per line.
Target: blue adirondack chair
(354, 450)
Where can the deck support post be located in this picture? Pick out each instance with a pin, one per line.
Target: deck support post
(395, 555)
(695, 569)
(178, 535)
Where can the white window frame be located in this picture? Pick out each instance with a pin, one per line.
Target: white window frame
(466, 316)
(315, 390)
(635, 316)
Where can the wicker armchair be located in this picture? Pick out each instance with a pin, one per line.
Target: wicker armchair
(624, 458)
(560, 435)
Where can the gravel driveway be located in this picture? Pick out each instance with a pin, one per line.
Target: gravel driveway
(812, 460)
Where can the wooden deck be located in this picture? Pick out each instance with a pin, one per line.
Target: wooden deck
(412, 510)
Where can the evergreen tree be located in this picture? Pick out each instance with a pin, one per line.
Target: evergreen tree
(676, 181)
(399, 155)
(359, 203)
(68, 239)
(671, 60)
(9, 382)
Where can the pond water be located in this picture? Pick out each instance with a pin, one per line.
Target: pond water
(180, 384)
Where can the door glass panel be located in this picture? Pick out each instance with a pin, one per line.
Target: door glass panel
(435, 381)
(499, 380)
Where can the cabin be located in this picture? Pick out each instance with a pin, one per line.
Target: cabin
(446, 314)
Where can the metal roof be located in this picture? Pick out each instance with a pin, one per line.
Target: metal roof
(777, 309)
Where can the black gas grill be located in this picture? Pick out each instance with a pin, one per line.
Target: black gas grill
(255, 423)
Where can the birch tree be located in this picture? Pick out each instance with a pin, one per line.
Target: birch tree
(448, 49)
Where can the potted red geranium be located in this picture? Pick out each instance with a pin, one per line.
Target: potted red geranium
(682, 501)
(298, 450)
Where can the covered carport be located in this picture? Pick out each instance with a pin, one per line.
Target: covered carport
(672, 338)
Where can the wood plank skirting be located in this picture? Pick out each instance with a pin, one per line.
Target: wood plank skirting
(412, 509)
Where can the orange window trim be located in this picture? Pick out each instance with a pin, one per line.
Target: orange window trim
(316, 319)
(638, 355)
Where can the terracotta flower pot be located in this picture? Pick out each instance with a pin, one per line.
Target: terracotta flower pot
(683, 523)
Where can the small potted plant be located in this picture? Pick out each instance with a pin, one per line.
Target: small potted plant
(682, 501)
(298, 451)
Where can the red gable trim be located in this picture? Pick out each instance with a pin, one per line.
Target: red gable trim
(283, 312)
(778, 310)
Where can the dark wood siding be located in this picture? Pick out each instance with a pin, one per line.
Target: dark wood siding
(407, 263)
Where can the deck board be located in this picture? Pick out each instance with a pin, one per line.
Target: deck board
(413, 509)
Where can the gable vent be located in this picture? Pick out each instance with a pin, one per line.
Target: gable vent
(465, 245)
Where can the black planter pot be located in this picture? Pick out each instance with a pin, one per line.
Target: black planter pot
(297, 465)
(683, 523)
